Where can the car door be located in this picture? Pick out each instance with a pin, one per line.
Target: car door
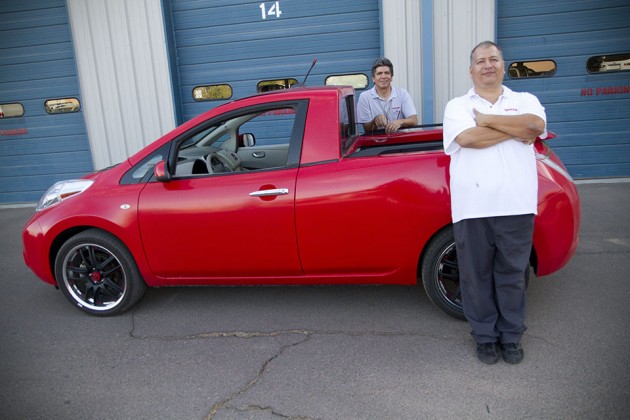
(263, 156)
(225, 227)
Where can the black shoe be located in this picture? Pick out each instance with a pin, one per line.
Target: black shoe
(512, 352)
(487, 353)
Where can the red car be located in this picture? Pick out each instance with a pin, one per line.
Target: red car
(275, 189)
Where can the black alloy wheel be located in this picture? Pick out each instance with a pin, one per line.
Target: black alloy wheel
(440, 274)
(97, 273)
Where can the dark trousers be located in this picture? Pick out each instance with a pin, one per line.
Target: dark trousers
(493, 254)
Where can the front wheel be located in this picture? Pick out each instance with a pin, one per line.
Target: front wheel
(97, 273)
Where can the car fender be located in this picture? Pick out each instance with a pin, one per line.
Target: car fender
(556, 225)
(116, 216)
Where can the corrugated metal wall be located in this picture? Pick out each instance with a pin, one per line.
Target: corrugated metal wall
(239, 42)
(123, 68)
(37, 63)
(457, 27)
(593, 129)
(402, 41)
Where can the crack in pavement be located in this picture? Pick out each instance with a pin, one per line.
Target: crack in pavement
(255, 408)
(223, 404)
(278, 333)
(306, 334)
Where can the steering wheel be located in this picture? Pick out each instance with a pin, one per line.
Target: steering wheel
(217, 163)
(223, 161)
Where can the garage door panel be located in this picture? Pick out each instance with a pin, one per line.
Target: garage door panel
(37, 63)
(579, 132)
(243, 31)
(235, 43)
(601, 170)
(193, 14)
(521, 9)
(25, 54)
(530, 26)
(605, 109)
(31, 90)
(566, 45)
(588, 111)
(263, 48)
(67, 143)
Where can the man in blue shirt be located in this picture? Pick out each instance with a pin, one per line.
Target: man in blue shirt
(385, 106)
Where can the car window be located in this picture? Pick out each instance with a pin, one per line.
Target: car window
(347, 122)
(143, 171)
(256, 138)
(271, 127)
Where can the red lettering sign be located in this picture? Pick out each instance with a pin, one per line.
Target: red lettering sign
(14, 132)
(606, 90)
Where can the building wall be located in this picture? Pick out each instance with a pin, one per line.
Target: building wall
(132, 66)
(124, 75)
(457, 27)
(588, 109)
(402, 41)
(243, 42)
(42, 145)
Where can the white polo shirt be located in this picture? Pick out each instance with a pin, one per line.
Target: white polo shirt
(499, 180)
(399, 105)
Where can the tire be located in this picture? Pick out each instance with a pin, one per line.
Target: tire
(97, 273)
(440, 274)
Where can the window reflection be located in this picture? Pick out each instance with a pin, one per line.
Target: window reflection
(276, 84)
(357, 81)
(11, 110)
(212, 92)
(62, 106)
(528, 69)
(606, 63)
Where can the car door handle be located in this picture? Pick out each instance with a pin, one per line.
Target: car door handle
(270, 193)
(259, 155)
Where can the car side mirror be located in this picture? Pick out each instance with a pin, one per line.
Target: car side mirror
(247, 140)
(161, 172)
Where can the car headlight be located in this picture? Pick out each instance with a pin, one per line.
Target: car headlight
(61, 191)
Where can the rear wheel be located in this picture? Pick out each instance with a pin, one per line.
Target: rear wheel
(97, 273)
(440, 274)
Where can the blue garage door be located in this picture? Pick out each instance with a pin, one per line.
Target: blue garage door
(242, 43)
(42, 130)
(588, 97)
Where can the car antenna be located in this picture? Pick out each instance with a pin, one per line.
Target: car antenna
(307, 73)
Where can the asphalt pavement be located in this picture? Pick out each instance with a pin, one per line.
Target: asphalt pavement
(341, 352)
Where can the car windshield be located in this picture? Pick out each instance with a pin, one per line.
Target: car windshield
(201, 138)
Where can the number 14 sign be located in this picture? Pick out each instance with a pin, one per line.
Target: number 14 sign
(273, 9)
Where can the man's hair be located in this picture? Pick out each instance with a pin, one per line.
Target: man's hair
(380, 62)
(485, 44)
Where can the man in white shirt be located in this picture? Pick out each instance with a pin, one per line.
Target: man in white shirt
(488, 134)
(385, 106)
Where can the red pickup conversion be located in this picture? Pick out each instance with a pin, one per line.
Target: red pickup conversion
(281, 189)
